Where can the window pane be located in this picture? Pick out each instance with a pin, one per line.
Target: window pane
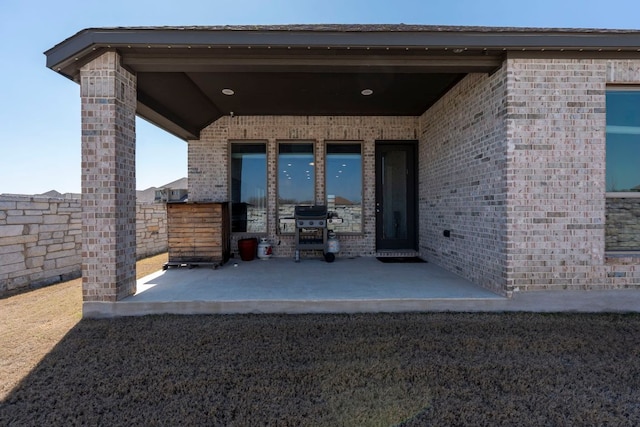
(248, 188)
(344, 185)
(395, 164)
(623, 140)
(296, 180)
(623, 170)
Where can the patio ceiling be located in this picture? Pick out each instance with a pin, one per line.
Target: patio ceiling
(189, 77)
(276, 81)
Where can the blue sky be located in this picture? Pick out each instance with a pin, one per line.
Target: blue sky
(40, 110)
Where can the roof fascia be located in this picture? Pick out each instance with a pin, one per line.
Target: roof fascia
(88, 39)
(321, 64)
(575, 54)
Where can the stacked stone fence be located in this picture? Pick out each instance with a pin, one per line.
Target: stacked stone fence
(151, 229)
(41, 239)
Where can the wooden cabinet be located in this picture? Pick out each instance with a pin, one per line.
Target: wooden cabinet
(198, 233)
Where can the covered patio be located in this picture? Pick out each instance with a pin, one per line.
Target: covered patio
(348, 285)
(316, 88)
(481, 150)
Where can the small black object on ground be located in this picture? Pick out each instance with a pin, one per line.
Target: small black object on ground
(191, 265)
(400, 259)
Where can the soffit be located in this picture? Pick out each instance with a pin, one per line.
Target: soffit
(305, 70)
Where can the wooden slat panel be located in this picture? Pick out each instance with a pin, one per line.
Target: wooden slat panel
(198, 232)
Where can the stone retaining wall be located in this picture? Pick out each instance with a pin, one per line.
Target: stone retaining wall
(623, 224)
(151, 229)
(41, 239)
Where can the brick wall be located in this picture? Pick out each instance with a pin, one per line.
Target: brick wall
(513, 164)
(510, 164)
(41, 239)
(209, 160)
(462, 158)
(556, 175)
(556, 129)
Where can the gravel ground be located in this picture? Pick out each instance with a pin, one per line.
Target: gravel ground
(335, 370)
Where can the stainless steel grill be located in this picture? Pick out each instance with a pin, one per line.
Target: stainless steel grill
(311, 216)
(311, 230)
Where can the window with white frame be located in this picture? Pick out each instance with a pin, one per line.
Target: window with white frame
(623, 169)
(343, 183)
(248, 187)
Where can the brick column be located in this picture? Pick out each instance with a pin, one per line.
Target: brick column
(108, 94)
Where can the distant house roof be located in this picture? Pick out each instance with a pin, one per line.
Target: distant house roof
(182, 183)
(149, 195)
(57, 195)
(314, 69)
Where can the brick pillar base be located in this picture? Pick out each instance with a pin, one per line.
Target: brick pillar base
(108, 94)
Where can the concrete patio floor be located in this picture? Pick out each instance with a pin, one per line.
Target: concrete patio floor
(365, 284)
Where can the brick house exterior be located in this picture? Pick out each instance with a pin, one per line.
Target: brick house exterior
(510, 162)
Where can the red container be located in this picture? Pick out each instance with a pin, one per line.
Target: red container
(247, 248)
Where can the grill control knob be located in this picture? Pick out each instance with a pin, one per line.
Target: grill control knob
(310, 222)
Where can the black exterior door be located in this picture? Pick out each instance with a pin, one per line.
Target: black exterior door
(396, 195)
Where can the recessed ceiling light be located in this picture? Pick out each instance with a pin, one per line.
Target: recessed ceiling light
(227, 91)
(366, 92)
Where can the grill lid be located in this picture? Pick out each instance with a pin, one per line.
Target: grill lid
(306, 212)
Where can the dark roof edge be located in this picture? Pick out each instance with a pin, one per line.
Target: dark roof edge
(362, 28)
(344, 35)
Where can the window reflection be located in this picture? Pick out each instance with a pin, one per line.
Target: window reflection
(623, 141)
(296, 180)
(344, 185)
(623, 170)
(248, 188)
